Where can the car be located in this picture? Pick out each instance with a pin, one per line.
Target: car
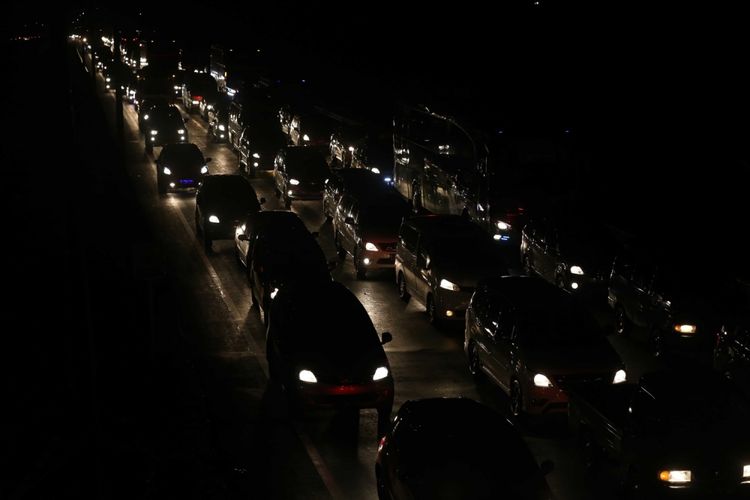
(221, 202)
(342, 145)
(165, 126)
(661, 292)
(180, 166)
(456, 448)
(347, 180)
(572, 253)
(146, 108)
(365, 226)
(299, 173)
(276, 248)
(218, 119)
(374, 152)
(258, 147)
(197, 88)
(440, 259)
(312, 128)
(534, 340)
(675, 434)
(324, 352)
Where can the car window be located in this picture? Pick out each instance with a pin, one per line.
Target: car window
(409, 237)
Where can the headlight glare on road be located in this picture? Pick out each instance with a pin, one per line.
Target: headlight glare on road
(576, 270)
(620, 377)
(294, 182)
(167, 171)
(380, 373)
(371, 247)
(204, 169)
(541, 380)
(213, 219)
(307, 376)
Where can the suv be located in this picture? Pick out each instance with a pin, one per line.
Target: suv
(299, 173)
(439, 261)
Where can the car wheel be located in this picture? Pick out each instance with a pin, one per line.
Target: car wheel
(432, 312)
(359, 270)
(340, 252)
(475, 365)
(403, 293)
(516, 399)
(621, 321)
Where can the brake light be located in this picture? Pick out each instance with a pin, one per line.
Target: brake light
(198, 97)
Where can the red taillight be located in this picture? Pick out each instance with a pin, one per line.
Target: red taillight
(198, 97)
(381, 444)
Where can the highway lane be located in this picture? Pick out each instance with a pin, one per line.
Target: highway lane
(323, 455)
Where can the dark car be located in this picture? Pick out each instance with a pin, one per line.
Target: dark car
(324, 351)
(571, 253)
(450, 448)
(366, 227)
(165, 125)
(147, 107)
(534, 340)
(276, 248)
(180, 166)
(312, 128)
(678, 305)
(678, 434)
(299, 173)
(440, 259)
(221, 203)
(374, 152)
(258, 147)
(197, 89)
(348, 180)
(218, 120)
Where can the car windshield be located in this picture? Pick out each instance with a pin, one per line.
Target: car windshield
(470, 249)
(188, 155)
(307, 163)
(228, 189)
(385, 217)
(563, 325)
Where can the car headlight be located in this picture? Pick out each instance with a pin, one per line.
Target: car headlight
(167, 171)
(154, 132)
(145, 117)
(375, 170)
(502, 225)
(177, 87)
(676, 476)
(305, 137)
(294, 182)
(380, 373)
(449, 285)
(387, 179)
(371, 247)
(746, 472)
(685, 329)
(256, 156)
(541, 380)
(108, 79)
(351, 149)
(576, 270)
(307, 376)
(204, 169)
(274, 293)
(213, 219)
(209, 106)
(620, 377)
(222, 127)
(181, 131)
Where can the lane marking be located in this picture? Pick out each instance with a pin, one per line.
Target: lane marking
(312, 452)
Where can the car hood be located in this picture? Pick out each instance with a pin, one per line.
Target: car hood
(468, 274)
(566, 361)
(340, 366)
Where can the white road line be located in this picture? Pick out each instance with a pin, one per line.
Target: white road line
(312, 452)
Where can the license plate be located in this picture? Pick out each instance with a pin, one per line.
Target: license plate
(186, 181)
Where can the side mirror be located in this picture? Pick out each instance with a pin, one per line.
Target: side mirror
(208, 159)
(243, 237)
(349, 220)
(546, 467)
(385, 338)
(262, 200)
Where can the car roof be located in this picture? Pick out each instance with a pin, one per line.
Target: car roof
(527, 293)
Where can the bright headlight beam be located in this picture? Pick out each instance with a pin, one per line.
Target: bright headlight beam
(256, 156)
(503, 226)
(167, 171)
(676, 476)
(154, 132)
(213, 219)
(380, 373)
(371, 247)
(305, 137)
(541, 380)
(576, 270)
(204, 169)
(307, 376)
(685, 328)
(294, 182)
(448, 285)
(620, 377)
(222, 127)
(181, 131)
(375, 170)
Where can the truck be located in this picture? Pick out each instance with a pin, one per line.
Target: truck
(676, 434)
